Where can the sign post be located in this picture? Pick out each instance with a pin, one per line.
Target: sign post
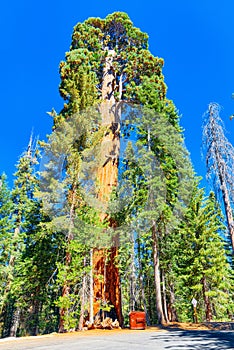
(194, 303)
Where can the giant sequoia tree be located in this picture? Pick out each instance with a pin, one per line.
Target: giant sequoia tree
(114, 90)
(109, 64)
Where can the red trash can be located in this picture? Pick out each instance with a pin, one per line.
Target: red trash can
(137, 320)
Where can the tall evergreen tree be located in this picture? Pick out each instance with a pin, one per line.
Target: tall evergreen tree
(22, 197)
(29, 265)
(200, 264)
(108, 66)
(6, 228)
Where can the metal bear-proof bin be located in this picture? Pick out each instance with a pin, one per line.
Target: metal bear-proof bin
(137, 320)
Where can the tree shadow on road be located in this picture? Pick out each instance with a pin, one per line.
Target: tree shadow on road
(196, 339)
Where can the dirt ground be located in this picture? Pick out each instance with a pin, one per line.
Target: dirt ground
(201, 326)
(175, 325)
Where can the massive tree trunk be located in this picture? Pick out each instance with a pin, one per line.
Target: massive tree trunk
(106, 275)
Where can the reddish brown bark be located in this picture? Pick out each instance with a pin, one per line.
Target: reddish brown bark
(106, 281)
(106, 275)
(106, 287)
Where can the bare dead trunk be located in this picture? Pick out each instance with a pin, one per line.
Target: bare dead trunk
(228, 211)
(226, 201)
(157, 278)
(222, 178)
(164, 297)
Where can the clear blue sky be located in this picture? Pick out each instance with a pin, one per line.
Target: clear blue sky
(195, 38)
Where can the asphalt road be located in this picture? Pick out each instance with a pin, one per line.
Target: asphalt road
(137, 340)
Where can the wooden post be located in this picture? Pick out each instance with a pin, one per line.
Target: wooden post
(194, 303)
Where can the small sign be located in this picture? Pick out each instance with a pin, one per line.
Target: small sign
(194, 302)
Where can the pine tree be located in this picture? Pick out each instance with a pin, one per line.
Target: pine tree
(29, 266)
(6, 228)
(200, 264)
(32, 257)
(22, 195)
